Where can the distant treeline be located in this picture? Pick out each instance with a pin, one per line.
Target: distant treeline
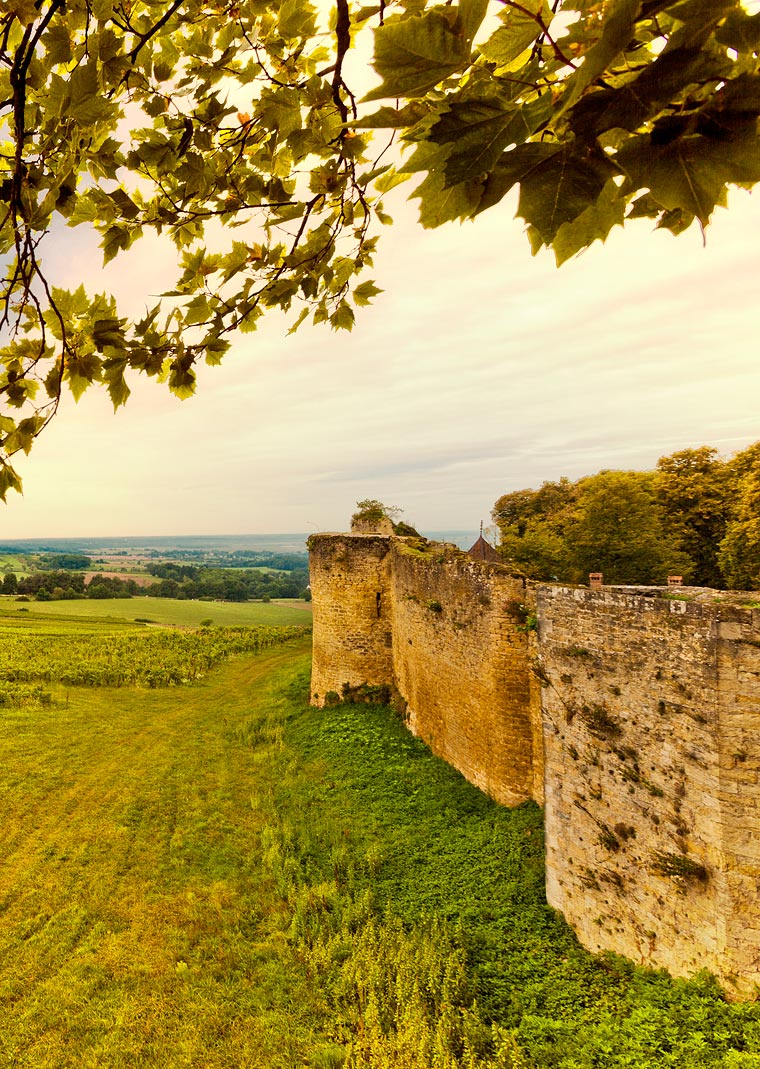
(696, 515)
(218, 584)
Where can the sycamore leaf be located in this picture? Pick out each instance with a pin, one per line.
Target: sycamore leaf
(520, 28)
(480, 130)
(181, 380)
(511, 168)
(116, 384)
(740, 30)
(57, 45)
(108, 332)
(214, 349)
(114, 239)
(471, 15)
(558, 190)
(440, 203)
(387, 118)
(302, 315)
(676, 221)
(22, 437)
(124, 203)
(617, 31)
(9, 480)
(699, 18)
(82, 369)
(630, 105)
(197, 310)
(296, 18)
(690, 173)
(343, 317)
(593, 224)
(364, 293)
(413, 55)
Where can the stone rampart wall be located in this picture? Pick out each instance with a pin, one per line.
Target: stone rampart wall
(651, 711)
(461, 664)
(350, 584)
(635, 713)
(631, 744)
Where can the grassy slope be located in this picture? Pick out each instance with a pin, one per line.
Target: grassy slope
(218, 876)
(165, 611)
(137, 925)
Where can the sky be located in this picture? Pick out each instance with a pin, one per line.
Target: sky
(479, 370)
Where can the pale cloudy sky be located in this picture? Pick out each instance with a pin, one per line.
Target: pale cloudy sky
(479, 370)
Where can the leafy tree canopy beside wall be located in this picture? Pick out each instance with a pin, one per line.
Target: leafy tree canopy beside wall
(695, 516)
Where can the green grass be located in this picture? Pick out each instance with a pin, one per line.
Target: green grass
(217, 875)
(166, 611)
(137, 926)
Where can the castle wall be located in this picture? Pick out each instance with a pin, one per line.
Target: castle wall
(633, 714)
(352, 638)
(738, 655)
(648, 853)
(461, 664)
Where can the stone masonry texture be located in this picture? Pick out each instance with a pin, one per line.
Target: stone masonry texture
(631, 714)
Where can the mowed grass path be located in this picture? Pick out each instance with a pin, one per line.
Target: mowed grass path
(135, 924)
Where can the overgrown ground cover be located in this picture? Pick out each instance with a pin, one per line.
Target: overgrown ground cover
(165, 611)
(216, 875)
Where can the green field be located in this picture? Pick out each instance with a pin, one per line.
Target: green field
(217, 875)
(166, 611)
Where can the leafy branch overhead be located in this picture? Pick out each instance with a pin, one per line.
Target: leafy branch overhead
(231, 129)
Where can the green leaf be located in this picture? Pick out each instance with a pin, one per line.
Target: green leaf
(440, 203)
(617, 31)
(740, 31)
(627, 107)
(114, 239)
(414, 55)
(108, 332)
(364, 293)
(593, 224)
(9, 480)
(558, 190)
(471, 15)
(198, 310)
(124, 203)
(58, 45)
(115, 382)
(480, 130)
(699, 18)
(512, 167)
(690, 173)
(520, 28)
(343, 317)
(22, 437)
(181, 380)
(215, 348)
(296, 18)
(387, 118)
(82, 369)
(302, 315)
